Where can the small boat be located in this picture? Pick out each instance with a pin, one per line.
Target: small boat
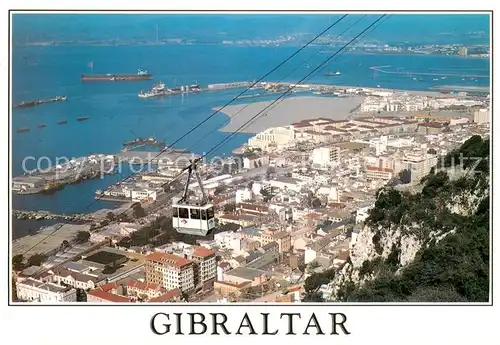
(63, 122)
(331, 74)
(23, 130)
(42, 125)
(83, 118)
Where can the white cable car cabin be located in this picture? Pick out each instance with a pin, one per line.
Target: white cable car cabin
(193, 217)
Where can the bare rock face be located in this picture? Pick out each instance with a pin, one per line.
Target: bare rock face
(376, 242)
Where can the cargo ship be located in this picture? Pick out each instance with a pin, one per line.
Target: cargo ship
(63, 122)
(42, 125)
(140, 75)
(40, 101)
(161, 89)
(83, 118)
(23, 130)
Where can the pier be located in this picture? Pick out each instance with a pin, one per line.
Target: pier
(140, 142)
(160, 89)
(56, 176)
(39, 215)
(409, 73)
(40, 101)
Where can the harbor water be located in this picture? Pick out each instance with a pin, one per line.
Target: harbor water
(116, 114)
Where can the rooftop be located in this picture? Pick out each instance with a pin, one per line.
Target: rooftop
(203, 252)
(246, 273)
(168, 259)
(108, 296)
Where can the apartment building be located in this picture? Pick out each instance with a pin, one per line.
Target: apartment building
(205, 267)
(282, 238)
(377, 173)
(326, 156)
(170, 271)
(44, 292)
(482, 116)
(419, 164)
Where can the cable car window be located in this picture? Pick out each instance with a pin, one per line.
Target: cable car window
(204, 214)
(210, 213)
(183, 212)
(195, 213)
(175, 212)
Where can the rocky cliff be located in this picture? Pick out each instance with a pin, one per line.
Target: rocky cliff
(415, 247)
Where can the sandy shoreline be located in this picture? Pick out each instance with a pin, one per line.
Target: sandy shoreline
(287, 111)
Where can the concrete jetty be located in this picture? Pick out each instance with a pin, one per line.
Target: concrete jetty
(39, 215)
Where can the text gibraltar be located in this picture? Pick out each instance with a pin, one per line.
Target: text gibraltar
(249, 324)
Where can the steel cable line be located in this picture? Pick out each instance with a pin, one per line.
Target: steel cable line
(290, 89)
(364, 32)
(200, 124)
(342, 53)
(287, 75)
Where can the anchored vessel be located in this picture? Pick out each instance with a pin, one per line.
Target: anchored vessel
(161, 89)
(39, 101)
(193, 217)
(331, 74)
(83, 118)
(140, 75)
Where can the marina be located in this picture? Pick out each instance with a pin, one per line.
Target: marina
(39, 102)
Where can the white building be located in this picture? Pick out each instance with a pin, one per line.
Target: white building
(243, 195)
(459, 121)
(378, 173)
(482, 116)
(309, 255)
(60, 275)
(278, 137)
(326, 156)
(362, 213)
(419, 164)
(143, 194)
(254, 161)
(34, 290)
(379, 144)
(287, 183)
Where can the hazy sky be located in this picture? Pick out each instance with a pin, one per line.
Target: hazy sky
(399, 27)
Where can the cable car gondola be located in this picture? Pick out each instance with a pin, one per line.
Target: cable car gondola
(193, 217)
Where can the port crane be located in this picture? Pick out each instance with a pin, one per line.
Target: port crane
(190, 215)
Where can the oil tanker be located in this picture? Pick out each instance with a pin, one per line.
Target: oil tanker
(140, 75)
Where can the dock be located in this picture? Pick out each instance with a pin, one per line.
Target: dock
(140, 142)
(39, 102)
(57, 176)
(161, 90)
(144, 157)
(39, 215)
